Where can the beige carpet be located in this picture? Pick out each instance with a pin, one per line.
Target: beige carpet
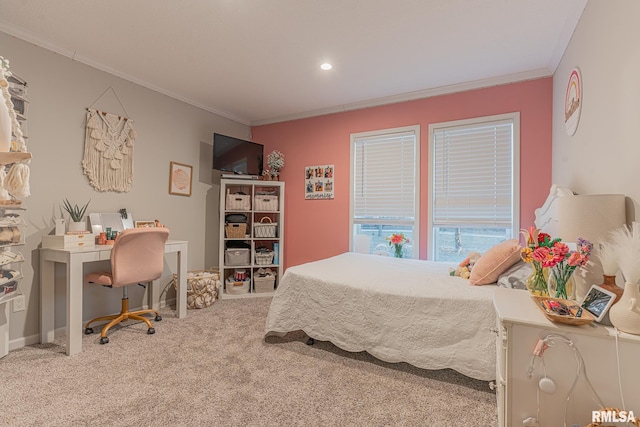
(215, 369)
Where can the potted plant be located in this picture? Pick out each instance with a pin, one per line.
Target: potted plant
(77, 215)
(275, 161)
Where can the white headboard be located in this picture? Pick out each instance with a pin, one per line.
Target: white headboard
(547, 215)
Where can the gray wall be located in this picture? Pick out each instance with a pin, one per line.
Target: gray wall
(59, 91)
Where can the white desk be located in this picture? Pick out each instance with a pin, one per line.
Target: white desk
(74, 260)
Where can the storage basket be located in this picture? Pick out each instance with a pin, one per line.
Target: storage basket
(202, 287)
(237, 256)
(264, 280)
(264, 258)
(265, 203)
(234, 288)
(238, 202)
(235, 231)
(264, 229)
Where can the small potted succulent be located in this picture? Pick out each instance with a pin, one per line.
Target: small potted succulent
(77, 216)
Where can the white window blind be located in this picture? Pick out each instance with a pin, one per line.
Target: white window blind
(473, 175)
(384, 178)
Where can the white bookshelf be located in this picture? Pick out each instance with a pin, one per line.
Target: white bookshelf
(255, 213)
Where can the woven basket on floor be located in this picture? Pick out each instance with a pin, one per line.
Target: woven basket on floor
(202, 287)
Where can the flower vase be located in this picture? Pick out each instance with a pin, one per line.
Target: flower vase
(561, 284)
(625, 315)
(398, 251)
(537, 281)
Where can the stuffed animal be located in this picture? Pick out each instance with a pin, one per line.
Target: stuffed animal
(466, 265)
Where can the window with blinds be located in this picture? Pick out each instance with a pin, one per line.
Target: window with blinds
(385, 188)
(473, 186)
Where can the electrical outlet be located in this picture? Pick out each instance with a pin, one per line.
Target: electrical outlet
(19, 304)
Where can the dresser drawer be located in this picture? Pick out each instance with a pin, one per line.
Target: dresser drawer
(69, 241)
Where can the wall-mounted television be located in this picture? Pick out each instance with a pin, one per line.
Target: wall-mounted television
(237, 156)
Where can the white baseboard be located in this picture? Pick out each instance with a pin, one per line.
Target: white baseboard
(60, 332)
(25, 341)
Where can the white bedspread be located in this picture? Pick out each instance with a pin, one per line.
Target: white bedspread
(398, 310)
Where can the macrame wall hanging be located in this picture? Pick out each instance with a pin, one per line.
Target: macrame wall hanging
(15, 182)
(108, 149)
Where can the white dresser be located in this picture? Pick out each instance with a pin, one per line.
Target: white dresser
(520, 325)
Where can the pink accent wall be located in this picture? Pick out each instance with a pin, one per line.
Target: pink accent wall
(316, 229)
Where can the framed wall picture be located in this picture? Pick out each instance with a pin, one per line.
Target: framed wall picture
(180, 179)
(318, 182)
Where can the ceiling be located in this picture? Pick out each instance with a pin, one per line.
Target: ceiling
(258, 61)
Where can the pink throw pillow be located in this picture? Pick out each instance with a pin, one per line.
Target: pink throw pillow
(494, 262)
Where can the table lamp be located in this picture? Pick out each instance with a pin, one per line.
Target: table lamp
(592, 217)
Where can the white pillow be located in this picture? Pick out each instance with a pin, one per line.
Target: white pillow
(516, 276)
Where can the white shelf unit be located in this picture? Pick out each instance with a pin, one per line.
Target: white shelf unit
(18, 92)
(255, 212)
(12, 235)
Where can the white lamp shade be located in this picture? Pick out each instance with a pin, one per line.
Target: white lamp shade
(590, 216)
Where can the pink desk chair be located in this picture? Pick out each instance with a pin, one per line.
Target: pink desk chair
(137, 257)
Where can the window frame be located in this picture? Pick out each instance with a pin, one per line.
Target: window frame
(416, 221)
(515, 202)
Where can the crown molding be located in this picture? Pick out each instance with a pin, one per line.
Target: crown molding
(31, 38)
(411, 96)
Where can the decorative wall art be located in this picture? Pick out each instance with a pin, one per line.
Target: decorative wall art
(108, 149)
(180, 179)
(318, 182)
(573, 102)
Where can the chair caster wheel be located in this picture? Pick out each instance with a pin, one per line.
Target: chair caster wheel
(104, 340)
(158, 318)
(151, 331)
(88, 331)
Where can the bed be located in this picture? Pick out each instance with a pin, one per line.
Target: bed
(398, 310)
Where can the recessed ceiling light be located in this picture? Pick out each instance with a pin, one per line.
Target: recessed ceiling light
(326, 66)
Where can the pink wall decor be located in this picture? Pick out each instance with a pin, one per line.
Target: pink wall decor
(320, 229)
